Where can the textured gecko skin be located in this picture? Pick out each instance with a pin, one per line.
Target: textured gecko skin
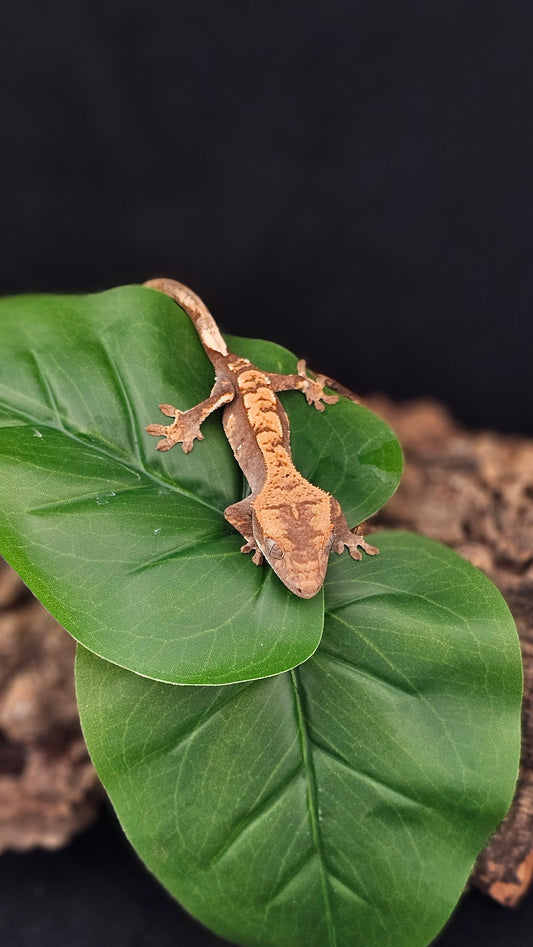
(286, 520)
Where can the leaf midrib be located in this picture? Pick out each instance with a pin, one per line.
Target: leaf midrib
(312, 799)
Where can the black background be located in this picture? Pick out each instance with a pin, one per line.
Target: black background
(97, 894)
(352, 179)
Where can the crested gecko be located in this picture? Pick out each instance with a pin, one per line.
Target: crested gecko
(286, 520)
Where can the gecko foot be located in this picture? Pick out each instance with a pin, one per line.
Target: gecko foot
(257, 557)
(355, 540)
(184, 432)
(313, 388)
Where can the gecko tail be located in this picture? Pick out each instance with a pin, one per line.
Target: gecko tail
(197, 311)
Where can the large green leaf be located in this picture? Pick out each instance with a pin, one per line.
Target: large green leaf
(126, 546)
(343, 802)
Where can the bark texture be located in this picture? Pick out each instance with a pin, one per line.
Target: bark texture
(48, 788)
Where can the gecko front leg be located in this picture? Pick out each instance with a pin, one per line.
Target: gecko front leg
(186, 425)
(355, 541)
(344, 536)
(240, 516)
(312, 388)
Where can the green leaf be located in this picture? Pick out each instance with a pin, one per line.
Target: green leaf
(343, 802)
(126, 546)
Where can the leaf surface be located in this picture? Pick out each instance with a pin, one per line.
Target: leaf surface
(343, 802)
(126, 546)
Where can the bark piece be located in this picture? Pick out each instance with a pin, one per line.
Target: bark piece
(474, 492)
(48, 788)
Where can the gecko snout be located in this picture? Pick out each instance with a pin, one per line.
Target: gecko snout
(306, 582)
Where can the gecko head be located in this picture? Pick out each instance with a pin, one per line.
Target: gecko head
(296, 547)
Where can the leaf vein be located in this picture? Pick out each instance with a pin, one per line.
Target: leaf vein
(98, 448)
(262, 809)
(312, 800)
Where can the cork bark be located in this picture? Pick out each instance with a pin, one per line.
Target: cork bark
(472, 491)
(48, 788)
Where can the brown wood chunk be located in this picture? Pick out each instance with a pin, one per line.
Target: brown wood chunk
(48, 788)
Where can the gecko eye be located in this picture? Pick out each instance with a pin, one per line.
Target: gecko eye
(273, 550)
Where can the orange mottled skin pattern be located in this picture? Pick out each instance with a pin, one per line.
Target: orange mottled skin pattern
(286, 520)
